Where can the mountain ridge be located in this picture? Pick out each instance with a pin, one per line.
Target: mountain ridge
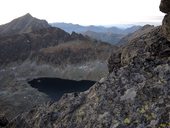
(111, 34)
(23, 24)
(69, 27)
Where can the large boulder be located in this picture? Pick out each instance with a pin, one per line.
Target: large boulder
(165, 6)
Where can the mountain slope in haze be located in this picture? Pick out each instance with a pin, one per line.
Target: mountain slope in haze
(68, 27)
(138, 33)
(106, 34)
(105, 37)
(23, 24)
(113, 34)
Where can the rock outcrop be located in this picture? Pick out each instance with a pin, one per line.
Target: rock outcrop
(165, 7)
(134, 95)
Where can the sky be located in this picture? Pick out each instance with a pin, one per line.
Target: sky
(84, 12)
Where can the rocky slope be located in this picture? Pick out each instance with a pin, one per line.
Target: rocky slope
(45, 52)
(23, 24)
(134, 95)
(141, 31)
(20, 46)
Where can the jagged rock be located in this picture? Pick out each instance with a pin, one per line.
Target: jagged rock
(75, 35)
(165, 6)
(166, 26)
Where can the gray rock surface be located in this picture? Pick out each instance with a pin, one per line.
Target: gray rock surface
(166, 26)
(165, 7)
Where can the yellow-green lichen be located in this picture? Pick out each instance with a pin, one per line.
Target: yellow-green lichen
(142, 110)
(127, 121)
(164, 125)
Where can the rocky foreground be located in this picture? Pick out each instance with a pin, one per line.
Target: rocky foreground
(135, 94)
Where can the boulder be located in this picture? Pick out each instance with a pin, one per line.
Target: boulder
(165, 6)
(166, 26)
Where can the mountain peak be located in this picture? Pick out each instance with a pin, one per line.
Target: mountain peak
(28, 15)
(23, 24)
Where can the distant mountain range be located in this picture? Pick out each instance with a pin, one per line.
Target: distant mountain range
(69, 27)
(27, 23)
(106, 37)
(107, 34)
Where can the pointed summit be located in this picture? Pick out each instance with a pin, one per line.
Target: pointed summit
(28, 15)
(23, 24)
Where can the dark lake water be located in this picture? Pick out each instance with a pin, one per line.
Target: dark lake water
(56, 87)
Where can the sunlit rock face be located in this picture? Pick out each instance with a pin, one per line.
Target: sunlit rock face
(165, 7)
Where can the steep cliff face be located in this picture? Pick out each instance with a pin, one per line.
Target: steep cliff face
(134, 95)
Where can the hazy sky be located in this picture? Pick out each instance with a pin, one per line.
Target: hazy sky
(84, 12)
